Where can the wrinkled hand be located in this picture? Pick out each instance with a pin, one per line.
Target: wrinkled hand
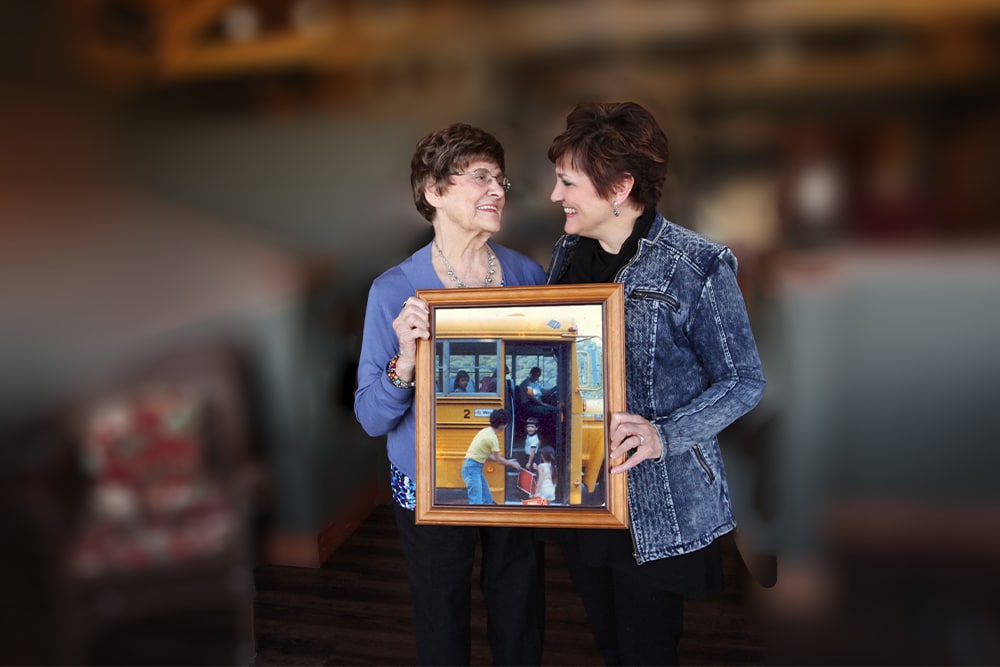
(635, 434)
(412, 323)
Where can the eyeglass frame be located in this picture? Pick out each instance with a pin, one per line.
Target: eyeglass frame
(487, 177)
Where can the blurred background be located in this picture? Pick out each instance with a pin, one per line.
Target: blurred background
(196, 194)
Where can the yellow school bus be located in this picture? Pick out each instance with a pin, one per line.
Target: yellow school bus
(481, 364)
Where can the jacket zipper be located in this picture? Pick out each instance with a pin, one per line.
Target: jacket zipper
(704, 464)
(659, 296)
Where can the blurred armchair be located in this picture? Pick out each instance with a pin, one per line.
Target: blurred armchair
(151, 556)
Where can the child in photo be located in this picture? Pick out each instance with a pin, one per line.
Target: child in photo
(531, 440)
(545, 488)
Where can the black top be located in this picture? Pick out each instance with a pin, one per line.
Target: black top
(591, 263)
(694, 574)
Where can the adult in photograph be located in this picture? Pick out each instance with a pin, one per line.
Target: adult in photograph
(459, 187)
(485, 446)
(532, 398)
(692, 369)
(532, 385)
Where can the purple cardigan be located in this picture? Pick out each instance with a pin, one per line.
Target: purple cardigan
(380, 407)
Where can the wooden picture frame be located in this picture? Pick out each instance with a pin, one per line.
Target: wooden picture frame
(552, 355)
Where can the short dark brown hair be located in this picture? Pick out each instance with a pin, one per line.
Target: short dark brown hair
(443, 152)
(609, 140)
(499, 417)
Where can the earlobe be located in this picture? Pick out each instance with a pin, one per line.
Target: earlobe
(432, 195)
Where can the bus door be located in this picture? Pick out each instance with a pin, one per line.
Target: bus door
(559, 411)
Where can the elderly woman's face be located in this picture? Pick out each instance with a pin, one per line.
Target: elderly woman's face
(470, 203)
(584, 208)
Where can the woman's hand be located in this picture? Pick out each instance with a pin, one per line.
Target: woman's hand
(635, 434)
(510, 463)
(412, 323)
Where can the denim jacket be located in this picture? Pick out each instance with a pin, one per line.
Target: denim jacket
(692, 369)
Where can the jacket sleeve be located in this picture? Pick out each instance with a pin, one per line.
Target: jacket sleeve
(378, 404)
(720, 334)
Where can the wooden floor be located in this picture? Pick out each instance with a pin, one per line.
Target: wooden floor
(356, 611)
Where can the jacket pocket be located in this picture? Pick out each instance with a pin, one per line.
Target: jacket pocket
(703, 463)
(657, 296)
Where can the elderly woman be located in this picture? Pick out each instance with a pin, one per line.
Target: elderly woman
(692, 368)
(457, 176)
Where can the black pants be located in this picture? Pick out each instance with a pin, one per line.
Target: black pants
(633, 623)
(439, 563)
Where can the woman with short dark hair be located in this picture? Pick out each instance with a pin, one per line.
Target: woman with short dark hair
(692, 368)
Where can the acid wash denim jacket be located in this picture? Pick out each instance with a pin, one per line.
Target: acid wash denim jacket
(692, 369)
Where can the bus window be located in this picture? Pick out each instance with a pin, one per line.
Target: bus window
(588, 359)
(467, 366)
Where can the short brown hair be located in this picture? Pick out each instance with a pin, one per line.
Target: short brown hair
(499, 417)
(609, 140)
(443, 152)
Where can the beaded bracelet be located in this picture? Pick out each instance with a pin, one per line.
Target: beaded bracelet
(390, 370)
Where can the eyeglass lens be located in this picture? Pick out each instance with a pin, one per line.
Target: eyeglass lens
(484, 178)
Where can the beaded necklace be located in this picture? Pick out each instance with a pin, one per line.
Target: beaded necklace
(490, 268)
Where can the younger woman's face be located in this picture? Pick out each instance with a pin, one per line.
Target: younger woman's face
(586, 211)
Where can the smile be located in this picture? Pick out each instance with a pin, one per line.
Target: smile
(569, 211)
(488, 207)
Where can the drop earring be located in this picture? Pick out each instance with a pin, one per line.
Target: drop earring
(617, 211)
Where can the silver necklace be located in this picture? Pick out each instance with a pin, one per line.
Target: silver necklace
(490, 267)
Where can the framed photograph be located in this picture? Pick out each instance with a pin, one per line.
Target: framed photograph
(514, 392)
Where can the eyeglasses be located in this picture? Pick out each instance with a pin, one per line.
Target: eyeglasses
(484, 178)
